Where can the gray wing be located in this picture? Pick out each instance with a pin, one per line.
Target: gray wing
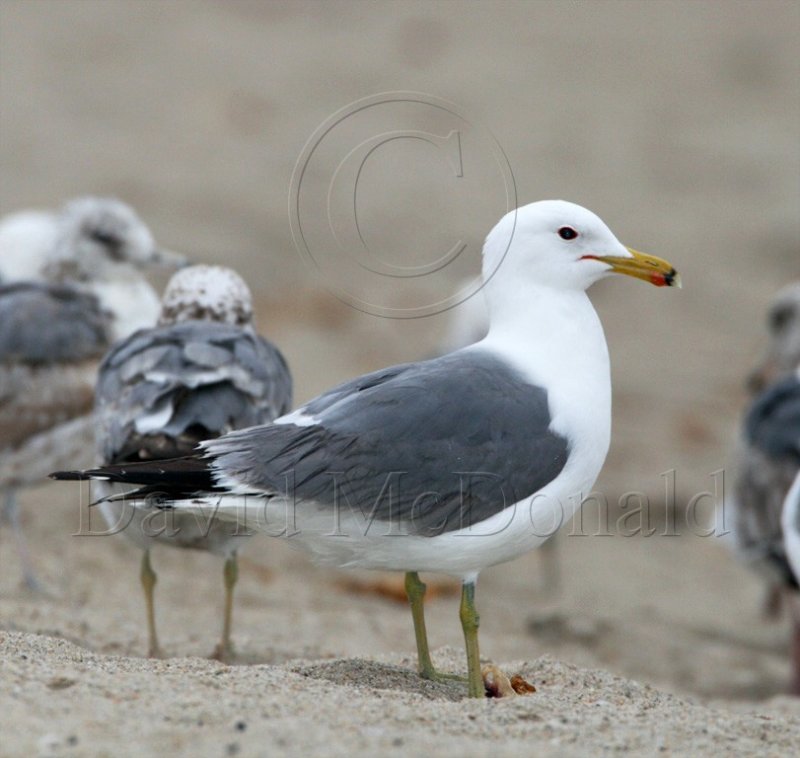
(51, 338)
(769, 462)
(163, 390)
(438, 445)
(42, 324)
(773, 422)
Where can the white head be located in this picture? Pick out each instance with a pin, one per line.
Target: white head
(562, 246)
(207, 293)
(101, 239)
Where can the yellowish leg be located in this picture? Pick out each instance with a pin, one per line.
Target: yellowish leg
(224, 649)
(148, 579)
(469, 623)
(415, 589)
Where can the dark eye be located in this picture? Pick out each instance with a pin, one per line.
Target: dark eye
(780, 317)
(111, 242)
(567, 233)
(104, 238)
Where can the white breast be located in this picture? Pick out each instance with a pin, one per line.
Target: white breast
(134, 303)
(789, 522)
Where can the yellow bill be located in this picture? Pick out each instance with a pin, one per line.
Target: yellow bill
(642, 266)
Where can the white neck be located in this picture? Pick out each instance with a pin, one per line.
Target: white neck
(555, 339)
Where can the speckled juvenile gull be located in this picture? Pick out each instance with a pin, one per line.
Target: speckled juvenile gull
(202, 372)
(448, 465)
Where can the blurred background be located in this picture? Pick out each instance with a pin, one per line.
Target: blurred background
(677, 122)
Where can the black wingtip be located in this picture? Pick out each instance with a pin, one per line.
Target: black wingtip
(188, 474)
(69, 476)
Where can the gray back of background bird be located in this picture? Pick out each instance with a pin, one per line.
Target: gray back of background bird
(162, 391)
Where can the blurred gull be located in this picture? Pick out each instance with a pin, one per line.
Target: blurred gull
(97, 244)
(51, 339)
(448, 465)
(761, 481)
(202, 372)
(70, 286)
(772, 433)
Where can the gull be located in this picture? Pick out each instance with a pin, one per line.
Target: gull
(51, 340)
(71, 286)
(772, 432)
(201, 372)
(761, 482)
(448, 465)
(98, 244)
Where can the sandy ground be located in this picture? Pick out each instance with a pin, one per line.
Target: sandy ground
(324, 666)
(677, 122)
(363, 706)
